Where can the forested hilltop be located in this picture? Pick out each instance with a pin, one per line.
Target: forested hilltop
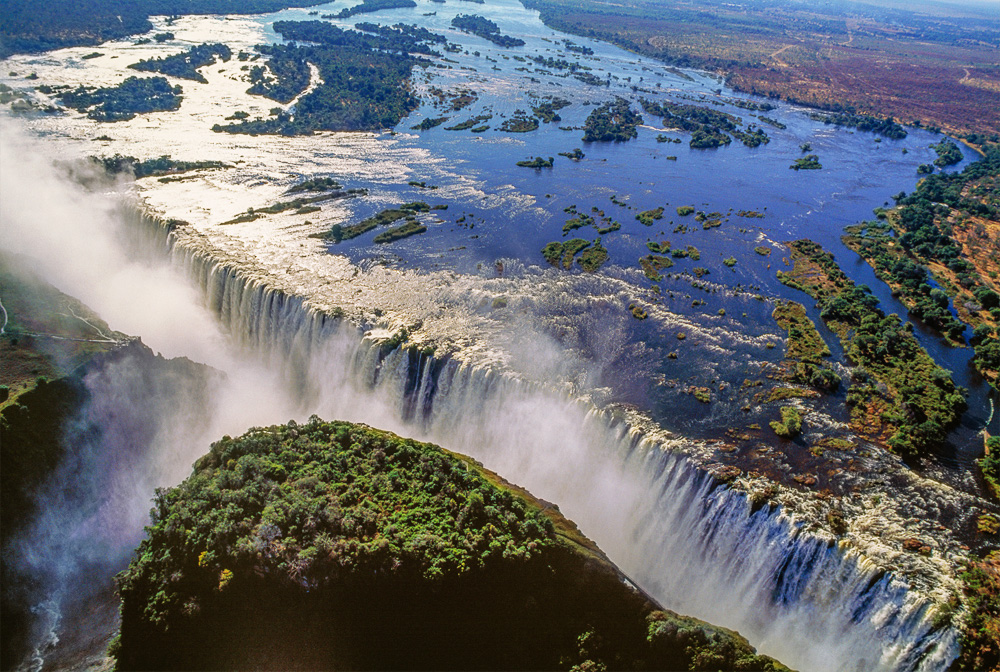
(334, 545)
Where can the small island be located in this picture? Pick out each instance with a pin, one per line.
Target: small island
(538, 163)
(185, 65)
(807, 162)
(486, 29)
(123, 102)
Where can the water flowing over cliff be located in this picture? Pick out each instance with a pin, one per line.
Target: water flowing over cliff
(697, 546)
(652, 501)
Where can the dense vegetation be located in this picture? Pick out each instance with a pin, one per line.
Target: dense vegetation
(185, 65)
(920, 402)
(30, 26)
(538, 163)
(819, 55)
(612, 122)
(486, 29)
(408, 211)
(945, 233)
(807, 162)
(980, 630)
(708, 127)
(163, 165)
(365, 80)
(120, 103)
(806, 353)
(289, 546)
(368, 6)
(948, 153)
(863, 122)
(990, 465)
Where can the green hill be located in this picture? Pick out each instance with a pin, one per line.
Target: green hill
(333, 545)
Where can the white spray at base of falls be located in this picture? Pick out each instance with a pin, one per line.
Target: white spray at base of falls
(697, 547)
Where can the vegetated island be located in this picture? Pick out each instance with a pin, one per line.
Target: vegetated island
(407, 211)
(806, 353)
(27, 26)
(158, 167)
(611, 122)
(708, 127)
(288, 546)
(344, 101)
(538, 163)
(369, 6)
(519, 122)
(592, 256)
(815, 58)
(601, 222)
(807, 162)
(185, 65)
(948, 153)
(919, 401)
(135, 95)
(328, 188)
(941, 243)
(486, 29)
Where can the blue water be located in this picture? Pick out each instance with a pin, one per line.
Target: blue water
(510, 212)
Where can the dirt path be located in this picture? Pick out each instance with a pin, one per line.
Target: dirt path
(774, 55)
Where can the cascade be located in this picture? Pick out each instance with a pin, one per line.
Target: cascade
(697, 546)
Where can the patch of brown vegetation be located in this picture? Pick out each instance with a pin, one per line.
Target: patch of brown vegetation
(936, 69)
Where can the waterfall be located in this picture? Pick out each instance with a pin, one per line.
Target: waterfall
(696, 545)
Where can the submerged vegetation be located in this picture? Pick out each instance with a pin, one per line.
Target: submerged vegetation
(918, 401)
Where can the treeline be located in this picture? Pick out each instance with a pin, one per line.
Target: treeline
(120, 103)
(364, 88)
(28, 26)
(186, 65)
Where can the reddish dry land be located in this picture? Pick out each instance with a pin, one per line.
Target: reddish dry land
(936, 69)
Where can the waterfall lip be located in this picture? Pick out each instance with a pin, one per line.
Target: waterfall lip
(275, 256)
(339, 287)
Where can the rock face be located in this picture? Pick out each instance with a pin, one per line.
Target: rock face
(333, 545)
